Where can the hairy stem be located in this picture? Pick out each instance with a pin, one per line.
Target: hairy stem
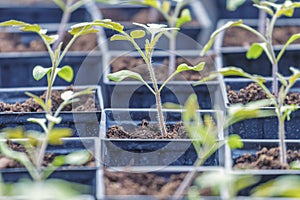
(161, 119)
(63, 23)
(187, 181)
(172, 48)
(282, 145)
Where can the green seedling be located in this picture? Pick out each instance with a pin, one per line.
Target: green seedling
(156, 31)
(36, 142)
(56, 55)
(204, 132)
(175, 19)
(68, 7)
(256, 49)
(282, 110)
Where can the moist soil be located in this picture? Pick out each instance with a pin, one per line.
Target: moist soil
(86, 103)
(161, 70)
(125, 183)
(146, 130)
(48, 158)
(266, 159)
(236, 36)
(12, 42)
(254, 92)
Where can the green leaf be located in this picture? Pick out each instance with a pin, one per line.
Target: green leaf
(185, 67)
(287, 111)
(56, 135)
(37, 99)
(32, 28)
(50, 39)
(170, 105)
(118, 37)
(55, 120)
(217, 32)
(256, 50)
(60, 3)
(13, 23)
(232, 5)
(293, 38)
(121, 75)
(152, 3)
(40, 121)
(295, 76)
(39, 72)
(166, 6)
(265, 8)
(59, 161)
(67, 95)
(282, 79)
(185, 17)
(13, 133)
(78, 157)
(137, 34)
(66, 73)
(235, 142)
(34, 137)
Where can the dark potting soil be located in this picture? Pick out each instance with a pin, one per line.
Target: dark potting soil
(146, 130)
(12, 42)
(48, 158)
(161, 70)
(266, 159)
(125, 183)
(86, 103)
(253, 92)
(236, 36)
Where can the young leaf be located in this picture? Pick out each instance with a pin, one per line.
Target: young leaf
(217, 32)
(166, 6)
(60, 3)
(137, 34)
(235, 142)
(55, 120)
(254, 51)
(40, 121)
(13, 133)
(185, 17)
(67, 95)
(185, 67)
(121, 75)
(78, 157)
(117, 37)
(37, 99)
(232, 5)
(58, 133)
(282, 79)
(295, 76)
(49, 39)
(290, 40)
(265, 8)
(39, 72)
(66, 73)
(13, 23)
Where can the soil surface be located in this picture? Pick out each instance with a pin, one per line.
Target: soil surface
(12, 42)
(48, 158)
(125, 183)
(236, 36)
(86, 103)
(253, 92)
(266, 159)
(161, 70)
(146, 130)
